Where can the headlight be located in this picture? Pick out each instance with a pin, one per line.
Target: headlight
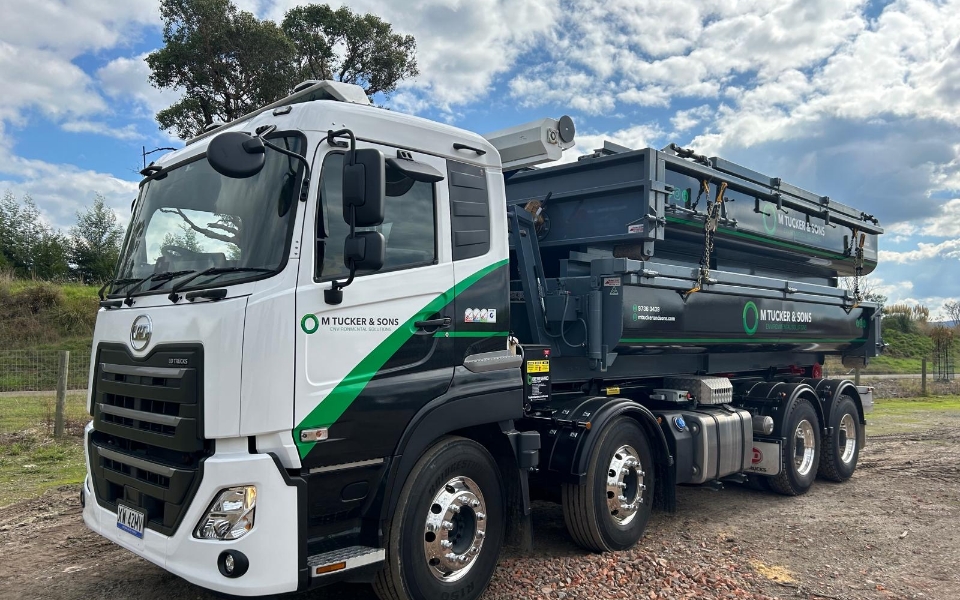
(230, 516)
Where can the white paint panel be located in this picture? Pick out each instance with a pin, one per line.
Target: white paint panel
(268, 357)
(271, 545)
(218, 326)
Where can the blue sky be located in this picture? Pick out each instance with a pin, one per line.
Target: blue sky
(852, 99)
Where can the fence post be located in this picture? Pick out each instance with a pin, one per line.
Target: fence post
(61, 392)
(923, 377)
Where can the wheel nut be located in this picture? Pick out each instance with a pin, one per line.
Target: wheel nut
(446, 544)
(446, 526)
(622, 499)
(621, 485)
(481, 516)
(455, 509)
(474, 503)
(624, 471)
(474, 550)
(480, 534)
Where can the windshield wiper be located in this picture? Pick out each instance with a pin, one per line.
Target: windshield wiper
(216, 272)
(164, 276)
(122, 283)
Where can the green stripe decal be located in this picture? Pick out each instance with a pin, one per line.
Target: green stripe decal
(470, 334)
(736, 341)
(760, 238)
(342, 396)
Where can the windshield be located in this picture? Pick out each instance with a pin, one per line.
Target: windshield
(192, 219)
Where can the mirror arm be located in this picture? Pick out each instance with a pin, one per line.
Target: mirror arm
(331, 139)
(306, 165)
(334, 294)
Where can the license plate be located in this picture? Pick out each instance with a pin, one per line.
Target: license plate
(131, 520)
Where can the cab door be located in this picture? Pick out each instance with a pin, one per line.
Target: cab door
(365, 366)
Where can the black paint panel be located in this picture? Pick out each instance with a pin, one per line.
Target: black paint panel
(469, 210)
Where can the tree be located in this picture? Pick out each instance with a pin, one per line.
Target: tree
(187, 238)
(226, 61)
(28, 246)
(952, 308)
(869, 291)
(353, 48)
(96, 242)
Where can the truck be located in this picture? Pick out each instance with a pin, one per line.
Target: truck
(348, 344)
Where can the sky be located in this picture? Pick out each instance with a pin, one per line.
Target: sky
(857, 100)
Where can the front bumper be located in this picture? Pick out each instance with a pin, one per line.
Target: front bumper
(272, 546)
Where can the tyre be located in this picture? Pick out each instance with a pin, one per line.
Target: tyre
(842, 450)
(801, 450)
(444, 539)
(610, 511)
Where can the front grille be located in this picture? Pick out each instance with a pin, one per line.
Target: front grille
(147, 447)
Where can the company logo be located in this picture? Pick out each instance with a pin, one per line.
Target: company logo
(757, 456)
(140, 332)
(769, 212)
(751, 315)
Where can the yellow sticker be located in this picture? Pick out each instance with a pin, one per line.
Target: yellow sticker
(538, 366)
(613, 391)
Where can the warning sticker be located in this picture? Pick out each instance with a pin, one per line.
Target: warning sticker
(638, 228)
(538, 366)
(611, 282)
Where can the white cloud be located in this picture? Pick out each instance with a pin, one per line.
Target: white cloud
(129, 77)
(688, 119)
(949, 249)
(462, 45)
(127, 132)
(71, 27)
(39, 79)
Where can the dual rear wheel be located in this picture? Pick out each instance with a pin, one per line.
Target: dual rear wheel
(806, 454)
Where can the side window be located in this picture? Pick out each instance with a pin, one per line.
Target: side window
(409, 224)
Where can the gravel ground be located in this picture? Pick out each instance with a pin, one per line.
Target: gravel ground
(887, 533)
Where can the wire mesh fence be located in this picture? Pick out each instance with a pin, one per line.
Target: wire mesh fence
(37, 370)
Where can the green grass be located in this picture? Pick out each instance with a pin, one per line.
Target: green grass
(31, 461)
(891, 364)
(907, 415)
(28, 413)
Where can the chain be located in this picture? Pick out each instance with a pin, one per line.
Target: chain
(709, 229)
(857, 250)
(704, 187)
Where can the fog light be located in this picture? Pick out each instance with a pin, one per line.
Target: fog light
(232, 563)
(230, 516)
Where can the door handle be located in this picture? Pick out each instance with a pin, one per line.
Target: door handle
(442, 323)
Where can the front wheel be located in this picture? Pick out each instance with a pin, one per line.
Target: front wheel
(444, 539)
(840, 453)
(801, 451)
(611, 509)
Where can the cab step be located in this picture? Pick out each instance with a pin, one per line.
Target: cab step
(344, 559)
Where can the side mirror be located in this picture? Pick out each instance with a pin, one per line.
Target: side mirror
(236, 154)
(364, 251)
(364, 188)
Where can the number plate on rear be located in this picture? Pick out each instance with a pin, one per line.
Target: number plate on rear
(131, 520)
